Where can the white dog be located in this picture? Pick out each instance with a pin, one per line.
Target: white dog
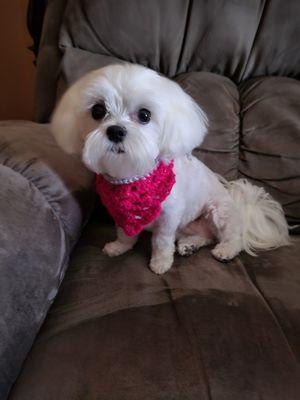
(126, 121)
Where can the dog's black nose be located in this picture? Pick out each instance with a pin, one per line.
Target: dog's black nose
(116, 133)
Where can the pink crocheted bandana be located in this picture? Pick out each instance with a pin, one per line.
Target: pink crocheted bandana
(136, 204)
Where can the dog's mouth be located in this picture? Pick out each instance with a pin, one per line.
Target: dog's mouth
(117, 149)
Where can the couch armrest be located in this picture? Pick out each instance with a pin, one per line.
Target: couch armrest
(46, 196)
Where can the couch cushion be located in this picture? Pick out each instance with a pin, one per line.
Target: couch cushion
(181, 36)
(204, 330)
(230, 38)
(275, 48)
(45, 199)
(219, 98)
(270, 139)
(275, 275)
(30, 150)
(171, 37)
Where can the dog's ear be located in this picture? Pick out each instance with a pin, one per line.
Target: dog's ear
(65, 121)
(185, 123)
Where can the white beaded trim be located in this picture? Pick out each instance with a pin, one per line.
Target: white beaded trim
(126, 181)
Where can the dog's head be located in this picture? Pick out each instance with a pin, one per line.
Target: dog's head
(121, 118)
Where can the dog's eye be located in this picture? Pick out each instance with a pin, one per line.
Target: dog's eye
(144, 116)
(98, 111)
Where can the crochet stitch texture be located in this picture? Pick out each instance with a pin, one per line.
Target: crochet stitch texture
(137, 204)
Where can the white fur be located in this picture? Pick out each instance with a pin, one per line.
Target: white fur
(200, 209)
(263, 223)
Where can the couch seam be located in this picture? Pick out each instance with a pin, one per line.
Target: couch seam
(188, 17)
(254, 38)
(241, 127)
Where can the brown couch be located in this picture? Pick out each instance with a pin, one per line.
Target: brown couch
(116, 331)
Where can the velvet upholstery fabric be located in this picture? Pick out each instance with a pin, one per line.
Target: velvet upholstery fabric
(219, 98)
(270, 139)
(205, 330)
(183, 36)
(43, 205)
(237, 39)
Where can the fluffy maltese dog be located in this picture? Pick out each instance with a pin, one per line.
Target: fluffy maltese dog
(136, 129)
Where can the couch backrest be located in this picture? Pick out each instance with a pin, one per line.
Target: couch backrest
(236, 38)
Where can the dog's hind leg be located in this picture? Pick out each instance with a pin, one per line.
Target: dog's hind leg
(188, 245)
(195, 235)
(227, 223)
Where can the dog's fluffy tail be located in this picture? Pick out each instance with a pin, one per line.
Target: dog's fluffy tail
(264, 224)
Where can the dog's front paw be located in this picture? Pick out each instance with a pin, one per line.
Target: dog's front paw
(160, 265)
(116, 248)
